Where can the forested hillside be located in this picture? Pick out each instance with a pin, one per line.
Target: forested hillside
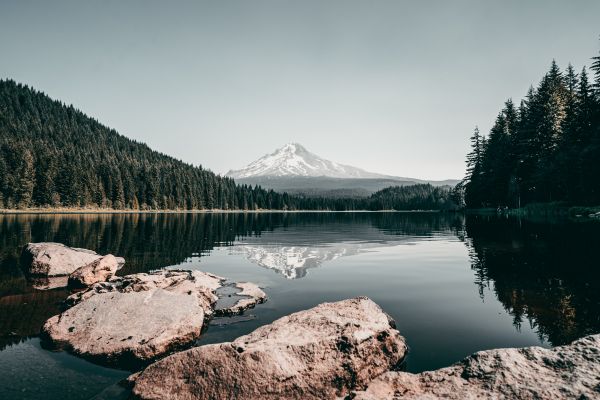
(545, 149)
(398, 198)
(415, 197)
(54, 155)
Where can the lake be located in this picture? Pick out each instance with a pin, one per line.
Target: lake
(455, 284)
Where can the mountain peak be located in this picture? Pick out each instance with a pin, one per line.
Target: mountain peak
(293, 159)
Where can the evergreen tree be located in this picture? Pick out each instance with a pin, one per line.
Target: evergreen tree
(546, 151)
(474, 157)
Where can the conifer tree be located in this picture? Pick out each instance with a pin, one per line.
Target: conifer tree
(552, 142)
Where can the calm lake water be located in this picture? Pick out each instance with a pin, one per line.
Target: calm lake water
(454, 284)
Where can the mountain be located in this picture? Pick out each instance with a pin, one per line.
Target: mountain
(294, 169)
(294, 160)
(53, 155)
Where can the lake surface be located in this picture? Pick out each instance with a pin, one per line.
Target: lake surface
(454, 284)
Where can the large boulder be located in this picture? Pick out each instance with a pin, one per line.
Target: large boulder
(137, 318)
(100, 270)
(119, 327)
(55, 259)
(565, 372)
(319, 353)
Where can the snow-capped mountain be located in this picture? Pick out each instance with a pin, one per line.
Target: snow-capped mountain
(294, 160)
(295, 170)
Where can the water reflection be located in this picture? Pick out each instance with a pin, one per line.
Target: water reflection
(310, 244)
(544, 274)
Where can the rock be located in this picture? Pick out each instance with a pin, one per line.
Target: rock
(251, 294)
(202, 285)
(239, 301)
(100, 270)
(319, 353)
(128, 327)
(49, 282)
(565, 372)
(55, 259)
(137, 318)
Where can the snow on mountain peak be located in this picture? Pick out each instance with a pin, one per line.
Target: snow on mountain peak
(294, 160)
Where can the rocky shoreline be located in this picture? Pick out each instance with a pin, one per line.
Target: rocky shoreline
(565, 372)
(348, 349)
(129, 321)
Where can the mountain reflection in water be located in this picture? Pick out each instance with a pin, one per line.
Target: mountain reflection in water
(545, 274)
(292, 253)
(454, 283)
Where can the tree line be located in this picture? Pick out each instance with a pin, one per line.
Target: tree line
(53, 155)
(545, 149)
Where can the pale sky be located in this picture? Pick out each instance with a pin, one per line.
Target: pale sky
(393, 87)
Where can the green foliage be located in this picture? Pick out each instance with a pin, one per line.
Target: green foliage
(414, 197)
(546, 151)
(52, 155)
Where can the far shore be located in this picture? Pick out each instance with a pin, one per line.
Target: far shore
(212, 211)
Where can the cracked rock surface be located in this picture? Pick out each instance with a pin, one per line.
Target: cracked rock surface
(319, 353)
(56, 259)
(565, 372)
(100, 270)
(138, 318)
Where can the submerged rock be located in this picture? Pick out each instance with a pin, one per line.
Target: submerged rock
(49, 282)
(319, 353)
(55, 259)
(136, 318)
(565, 372)
(100, 270)
(235, 298)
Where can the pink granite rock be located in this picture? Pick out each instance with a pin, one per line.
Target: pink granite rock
(100, 270)
(565, 372)
(319, 353)
(55, 259)
(137, 318)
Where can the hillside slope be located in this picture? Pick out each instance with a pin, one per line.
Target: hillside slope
(53, 155)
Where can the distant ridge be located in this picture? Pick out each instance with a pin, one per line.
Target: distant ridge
(294, 169)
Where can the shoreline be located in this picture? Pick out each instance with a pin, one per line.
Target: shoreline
(212, 211)
(542, 210)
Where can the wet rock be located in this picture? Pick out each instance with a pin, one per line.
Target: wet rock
(55, 259)
(49, 282)
(100, 270)
(235, 298)
(319, 353)
(225, 321)
(565, 372)
(200, 284)
(136, 318)
(128, 327)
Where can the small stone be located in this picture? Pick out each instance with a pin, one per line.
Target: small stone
(99, 270)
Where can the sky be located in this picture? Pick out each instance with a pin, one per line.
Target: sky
(394, 87)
